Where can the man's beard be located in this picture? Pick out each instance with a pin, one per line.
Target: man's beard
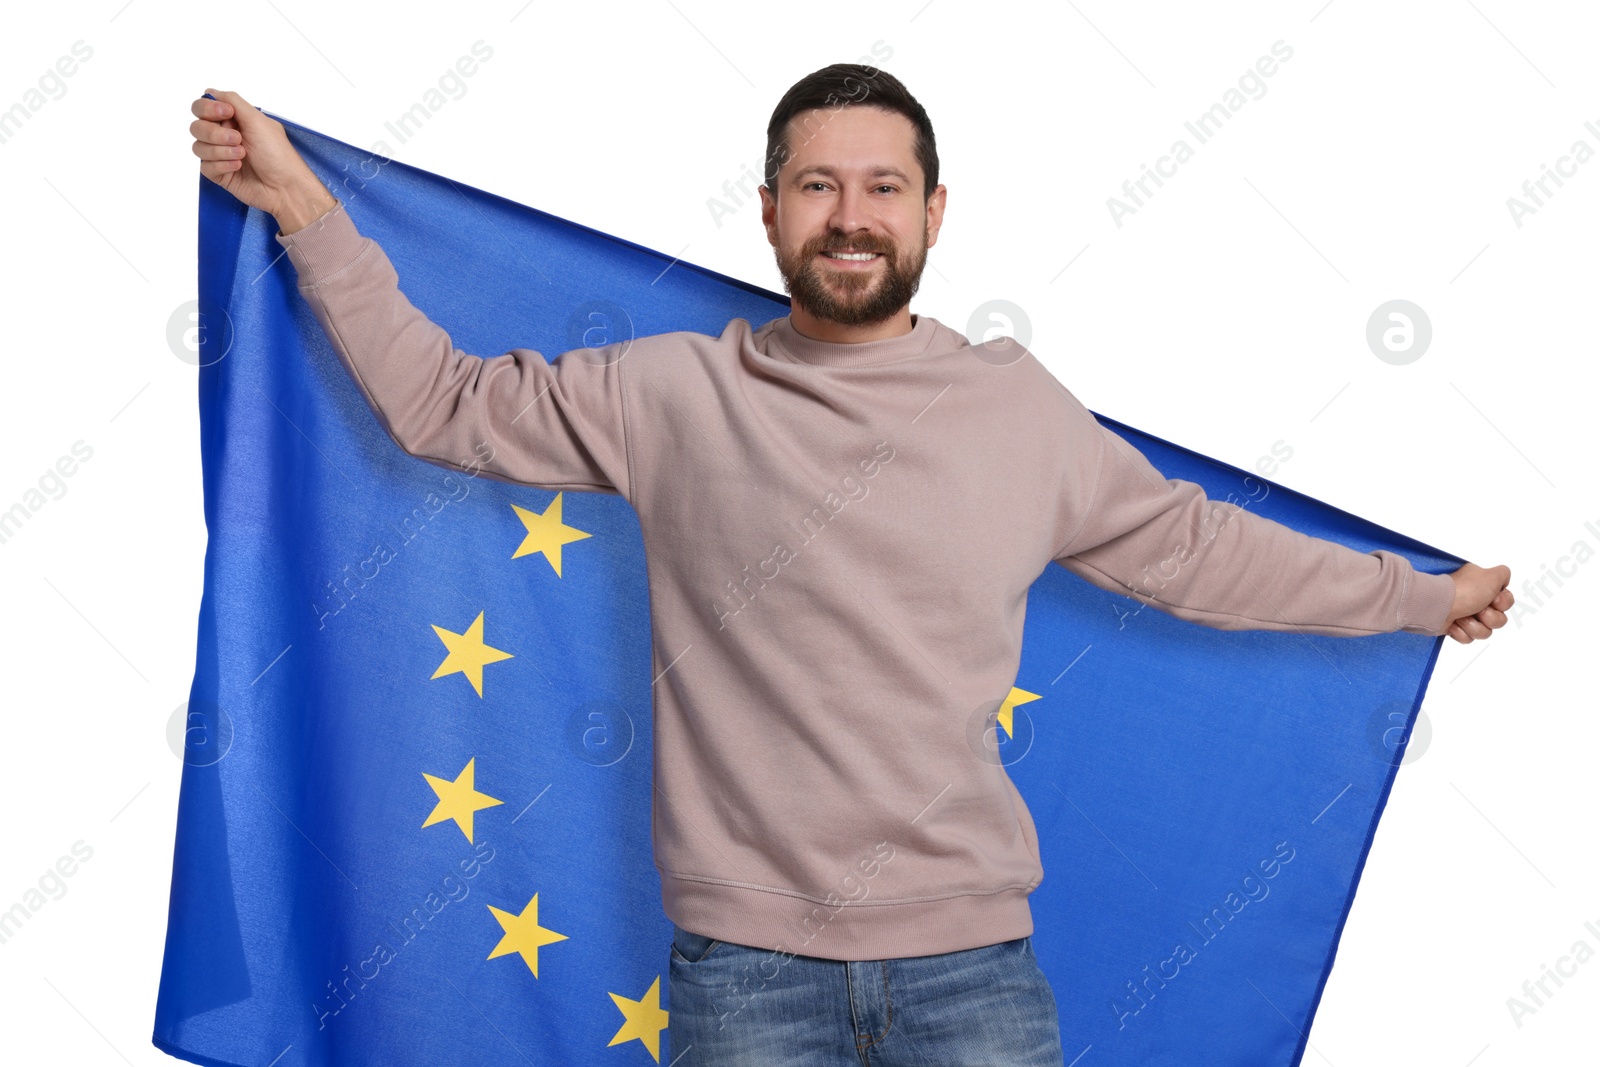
(852, 298)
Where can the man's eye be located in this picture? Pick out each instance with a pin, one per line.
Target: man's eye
(824, 185)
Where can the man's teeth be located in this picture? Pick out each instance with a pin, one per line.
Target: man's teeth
(853, 255)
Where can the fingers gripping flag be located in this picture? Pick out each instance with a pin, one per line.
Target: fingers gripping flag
(414, 818)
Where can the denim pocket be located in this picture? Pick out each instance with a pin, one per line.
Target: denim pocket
(689, 947)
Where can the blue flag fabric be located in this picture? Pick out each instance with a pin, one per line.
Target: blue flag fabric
(391, 852)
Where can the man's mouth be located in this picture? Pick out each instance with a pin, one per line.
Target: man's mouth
(851, 257)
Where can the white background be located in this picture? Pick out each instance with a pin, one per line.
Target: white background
(1226, 315)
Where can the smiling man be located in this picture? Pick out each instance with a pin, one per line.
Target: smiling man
(852, 231)
(846, 864)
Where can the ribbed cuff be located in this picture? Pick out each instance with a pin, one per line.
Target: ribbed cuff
(1426, 606)
(323, 248)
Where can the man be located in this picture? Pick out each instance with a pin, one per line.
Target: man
(842, 510)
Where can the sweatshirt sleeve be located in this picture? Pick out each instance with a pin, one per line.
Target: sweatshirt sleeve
(1165, 543)
(553, 424)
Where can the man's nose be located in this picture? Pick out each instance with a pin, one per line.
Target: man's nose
(851, 211)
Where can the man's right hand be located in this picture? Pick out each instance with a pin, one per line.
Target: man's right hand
(249, 154)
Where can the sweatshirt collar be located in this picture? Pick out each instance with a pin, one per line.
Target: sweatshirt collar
(799, 348)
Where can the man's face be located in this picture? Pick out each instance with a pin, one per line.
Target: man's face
(851, 185)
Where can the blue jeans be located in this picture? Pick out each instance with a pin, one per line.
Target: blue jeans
(736, 1006)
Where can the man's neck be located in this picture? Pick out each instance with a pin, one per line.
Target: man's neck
(808, 325)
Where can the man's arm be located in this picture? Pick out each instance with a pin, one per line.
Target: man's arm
(1214, 563)
(516, 416)
(556, 424)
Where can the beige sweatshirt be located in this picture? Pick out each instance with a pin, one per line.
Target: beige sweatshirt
(840, 539)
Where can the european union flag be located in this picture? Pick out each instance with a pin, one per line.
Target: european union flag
(415, 809)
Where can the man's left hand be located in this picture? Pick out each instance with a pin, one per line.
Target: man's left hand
(1481, 603)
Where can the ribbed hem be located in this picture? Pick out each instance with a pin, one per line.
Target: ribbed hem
(1425, 608)
(323, 248)
(862, 930)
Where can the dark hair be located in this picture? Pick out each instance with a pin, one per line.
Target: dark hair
(850, 85)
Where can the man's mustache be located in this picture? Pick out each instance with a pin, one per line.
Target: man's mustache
(841, 245)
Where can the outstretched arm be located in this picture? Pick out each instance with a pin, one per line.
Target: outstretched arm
(1163, 542)
(557, 424)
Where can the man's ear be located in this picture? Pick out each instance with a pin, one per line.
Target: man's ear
(769, 214)
(935, 214)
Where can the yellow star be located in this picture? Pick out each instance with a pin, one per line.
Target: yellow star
(468, 653)
(546, 533)
(458, 799)
(645, 1019)
(523, 934)
(1017, 696)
